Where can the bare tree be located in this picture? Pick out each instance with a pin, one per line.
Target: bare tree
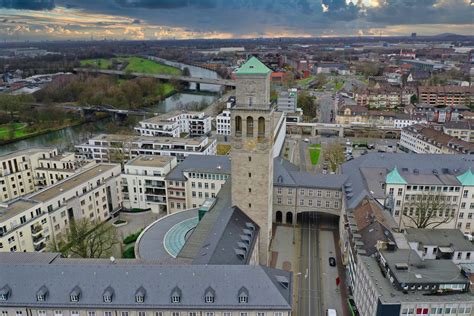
(86, 239)
(427, 210)
(334, 155)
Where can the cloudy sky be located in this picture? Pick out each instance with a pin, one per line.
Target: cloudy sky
(182, 19)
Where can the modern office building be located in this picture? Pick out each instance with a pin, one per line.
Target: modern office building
(288, 101)
(27, 224)
(119, 148)
(176, 124)
(144, 185)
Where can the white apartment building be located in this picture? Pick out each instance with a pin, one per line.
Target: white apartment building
(109, 147)
(17, 171)
(223, 123)
(425, 140)
(26, 224)
(50, 170)
(175, 124)
(194, 180)
(144, 185)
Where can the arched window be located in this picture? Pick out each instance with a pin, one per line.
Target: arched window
(249, 126)
(279, 216)
(261, 127)
(238, 126)
(289, 218)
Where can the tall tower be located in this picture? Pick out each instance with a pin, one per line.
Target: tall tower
(252, 147)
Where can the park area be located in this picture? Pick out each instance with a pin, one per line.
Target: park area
(131, 64)
(13, 130)
(314, 153)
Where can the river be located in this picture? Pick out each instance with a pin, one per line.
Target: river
(65, 139)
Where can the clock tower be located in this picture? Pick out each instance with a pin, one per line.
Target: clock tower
(252, 121)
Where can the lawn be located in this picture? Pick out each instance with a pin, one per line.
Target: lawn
(314, 152)
(100, 63)
(305, 81)
(19, 130)
(135, 64)
(339, 85)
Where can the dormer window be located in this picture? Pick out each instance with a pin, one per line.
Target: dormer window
(5, 293)
(108, 295)
(75, 294)
(41, 294)
(140, 295)
(209, 295)
(176, 295)
(243, 295)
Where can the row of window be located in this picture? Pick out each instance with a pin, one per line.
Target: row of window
(201, 194)
(200, 185)
(319, 203)
(310, 192)
(143, 313)
(437, 311)
(208, 176)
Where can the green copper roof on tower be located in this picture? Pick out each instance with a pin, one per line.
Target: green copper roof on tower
(253, 66)
(394, 177)
(467, 178)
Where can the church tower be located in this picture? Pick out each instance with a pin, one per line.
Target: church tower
(252, 149)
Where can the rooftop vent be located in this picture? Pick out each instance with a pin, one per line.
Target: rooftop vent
(401, 266)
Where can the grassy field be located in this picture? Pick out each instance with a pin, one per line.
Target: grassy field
(19, 130)
(305, 81)
(135, 64)
(314, 152)
(100, 63)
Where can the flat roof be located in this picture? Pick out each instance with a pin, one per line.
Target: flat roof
(390, 295)
(145, 139)
(15, 207)
(440, 237)
(28, 151)
(71, 182)
(151, 161)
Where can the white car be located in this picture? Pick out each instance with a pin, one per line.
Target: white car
(469, 237)
(306, 140)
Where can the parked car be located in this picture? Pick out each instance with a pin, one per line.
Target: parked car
(306, 140)
(331, 312)
(469, 237)
(332, 261)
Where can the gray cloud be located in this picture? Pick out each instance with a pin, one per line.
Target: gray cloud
(27, 4)
(166, 4)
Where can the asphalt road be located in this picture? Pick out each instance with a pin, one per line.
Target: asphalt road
(309, 281)
(326, 105)
(316, 281)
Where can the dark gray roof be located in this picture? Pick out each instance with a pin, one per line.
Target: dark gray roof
(414, 168)
(60, 277)
(287, 174)
(217, 239)
(200, 163)
(440, 237)
(373, 233)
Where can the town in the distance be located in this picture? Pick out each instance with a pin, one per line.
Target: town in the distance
(260, 177)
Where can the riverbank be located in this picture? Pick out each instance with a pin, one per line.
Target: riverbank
(69, 124)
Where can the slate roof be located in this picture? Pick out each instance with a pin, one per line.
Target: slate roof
(253, 66)
(61, 276)
(217, 239)
(414, 168)
(200, 163)
(287, 174)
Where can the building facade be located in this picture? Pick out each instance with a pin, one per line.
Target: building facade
(288, 101)
(175, 124)
(27, 224)
(144, 185)
(223, 123)
(119, 148)
(443, 96)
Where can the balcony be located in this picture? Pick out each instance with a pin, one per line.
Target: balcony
(40, 248)
(36, 229)
(154, 184)
(155, 199)
(155, 191)
(38, 240)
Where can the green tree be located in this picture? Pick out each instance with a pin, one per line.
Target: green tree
(427, 210)
(306, 103)
(186, 72)
(334, 155)
(86, 239)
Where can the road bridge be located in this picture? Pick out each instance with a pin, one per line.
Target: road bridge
(344, 130)
(197, 80)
